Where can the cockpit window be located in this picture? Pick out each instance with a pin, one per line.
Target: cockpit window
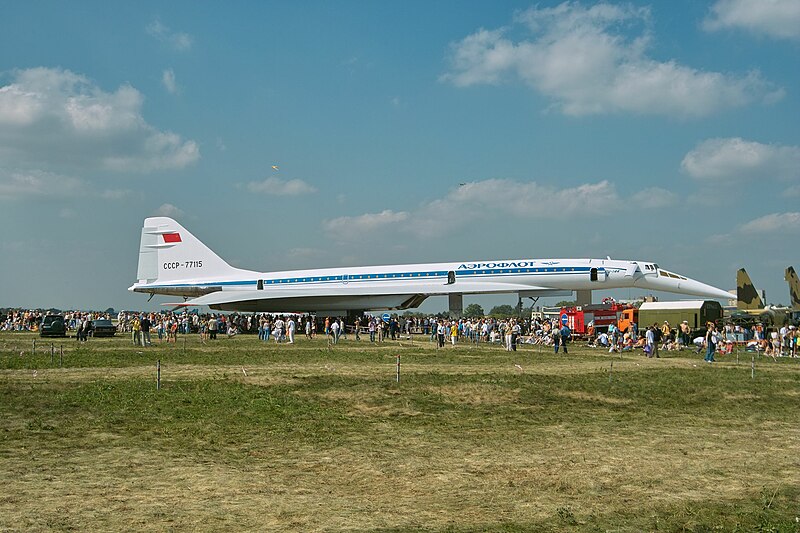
(670, 274)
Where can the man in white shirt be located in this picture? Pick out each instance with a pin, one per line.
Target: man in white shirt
(290, 327)
(335, 331)
(650, 341)
(278, 330)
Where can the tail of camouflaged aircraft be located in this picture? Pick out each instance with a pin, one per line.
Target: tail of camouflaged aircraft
(794, 287)
(747, 296)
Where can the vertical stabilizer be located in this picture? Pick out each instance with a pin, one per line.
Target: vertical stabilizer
(747, 296)
(169, 253)
(794, 288)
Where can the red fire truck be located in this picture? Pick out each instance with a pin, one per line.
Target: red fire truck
(600, 316)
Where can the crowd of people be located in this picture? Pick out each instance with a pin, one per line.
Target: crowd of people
(165, 326)
(21, 320)
(714, 339)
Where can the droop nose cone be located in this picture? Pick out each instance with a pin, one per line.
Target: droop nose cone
(682, 286)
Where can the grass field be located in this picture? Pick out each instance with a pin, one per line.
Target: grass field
(248, 436)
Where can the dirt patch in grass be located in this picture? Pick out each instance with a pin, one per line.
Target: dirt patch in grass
(594, 398)
(742, 396)
(476, 394)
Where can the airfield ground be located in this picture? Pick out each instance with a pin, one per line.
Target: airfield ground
(248, 436)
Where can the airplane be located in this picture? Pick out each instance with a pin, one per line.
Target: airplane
(794, 293)
(794, 287)
(751, 307)
(174, 262)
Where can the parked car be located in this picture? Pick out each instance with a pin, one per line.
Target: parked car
(53, 326)
(103, 327)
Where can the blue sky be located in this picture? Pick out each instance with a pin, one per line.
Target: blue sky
(405, 132)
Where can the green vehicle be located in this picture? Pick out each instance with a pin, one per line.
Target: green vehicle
(696, 312)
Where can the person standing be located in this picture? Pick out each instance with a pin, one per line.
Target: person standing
(666, 331)
(685, 333)
(203, 330)
(565, 336)
(656, 339)
(136, 330)
(515, 332)
(358, 328)
(277, 330)
(335, 331)
(267, 329)
(145, 325)
(261, 320)
(213, 326)
(711, 343)
(440, 328)
(650, 338)
(556, 334)
(290, 326)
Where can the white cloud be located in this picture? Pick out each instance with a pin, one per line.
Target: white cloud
(792, 192)
(179, 41)
(777, 224)
(487, 200)
(585, 60)
(168, 79)
(774, 18)
(303, 253)
(523, 199)
(654, 198)
(115, 194)
(56, 120)
(168, 210)
(735, 159)
(358, 227)
(279, 187)
(21, 183)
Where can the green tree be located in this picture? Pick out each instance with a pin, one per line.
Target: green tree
(474, 310)
(503, 311)
(566, 303)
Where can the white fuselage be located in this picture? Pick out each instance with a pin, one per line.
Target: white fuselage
(173, 261)
(404, 286)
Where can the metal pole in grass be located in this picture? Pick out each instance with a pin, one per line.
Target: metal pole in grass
(33, 351)
(52, 354)
(611, 371)
(753, 367)
(398, 368)
(158, 374)
(61, 357)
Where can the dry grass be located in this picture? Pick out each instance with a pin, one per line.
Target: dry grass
(467, 441)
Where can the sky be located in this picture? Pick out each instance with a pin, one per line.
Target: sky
(313, 134)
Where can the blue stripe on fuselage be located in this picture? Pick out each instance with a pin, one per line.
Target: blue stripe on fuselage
(476, 273)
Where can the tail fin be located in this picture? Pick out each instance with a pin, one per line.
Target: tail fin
(169, 253)
(794, 287)
(747, 296)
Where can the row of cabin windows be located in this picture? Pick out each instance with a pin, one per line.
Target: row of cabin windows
(451, 277)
